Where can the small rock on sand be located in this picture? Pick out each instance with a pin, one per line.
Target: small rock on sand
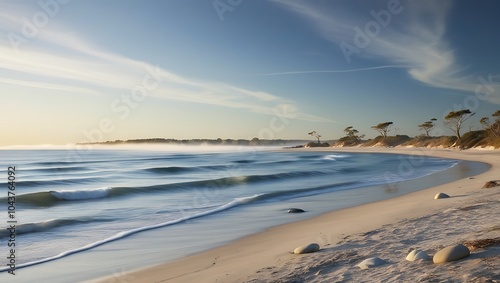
(482, 243)
(491, 184)
(451, 253)
(311, 248)
(416, 255)
(371, 262)
(295, 210)
(441, 195)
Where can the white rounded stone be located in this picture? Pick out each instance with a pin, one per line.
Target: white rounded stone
(371, 262)
(451, 253)
(416, 255)
(441, 195)
(311, 248)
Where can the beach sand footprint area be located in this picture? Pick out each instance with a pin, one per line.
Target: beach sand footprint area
(459, 238)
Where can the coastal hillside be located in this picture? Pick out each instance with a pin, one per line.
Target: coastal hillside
(473, 139)
(488, 137)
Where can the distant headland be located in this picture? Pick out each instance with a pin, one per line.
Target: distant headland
(473, 139)
(235, 142)
(488, 137)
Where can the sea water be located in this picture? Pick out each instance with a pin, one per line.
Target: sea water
(132, 208)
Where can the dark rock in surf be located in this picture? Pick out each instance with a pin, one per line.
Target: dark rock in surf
(315, 144)
(295, 210)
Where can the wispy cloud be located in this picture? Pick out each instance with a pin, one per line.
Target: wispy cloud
(414, 38)
(332, 71)
(79, 66)
(49, 86)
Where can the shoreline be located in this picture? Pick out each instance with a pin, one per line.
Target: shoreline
(243, 259)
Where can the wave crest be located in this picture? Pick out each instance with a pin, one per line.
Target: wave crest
(81, 195)
(47, 225)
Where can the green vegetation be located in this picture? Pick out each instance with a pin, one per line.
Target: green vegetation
(390, 141)
(455, 119)
(316, 135)
(489, 136)
(383, 128)
(472, 139)
(492, 129)
(425, 141)
(352, 138)
(427, 126)
(316, 144)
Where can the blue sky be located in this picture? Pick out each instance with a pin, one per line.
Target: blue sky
(76, 71)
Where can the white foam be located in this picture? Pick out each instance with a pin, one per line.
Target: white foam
(334, 156)
(81, 194)
(121, 235)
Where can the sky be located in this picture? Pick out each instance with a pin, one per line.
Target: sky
(84, 71)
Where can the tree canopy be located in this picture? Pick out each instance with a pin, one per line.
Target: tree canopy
(352, 136)
(454, 120)
(351, 132)
(383, 128)
(492, 128)
(315, 134)
(428, 126)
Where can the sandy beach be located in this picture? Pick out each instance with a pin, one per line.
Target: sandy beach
(386, 229)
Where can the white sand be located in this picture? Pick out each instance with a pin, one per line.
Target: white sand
(385, 229)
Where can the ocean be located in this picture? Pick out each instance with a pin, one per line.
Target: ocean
(107, 211)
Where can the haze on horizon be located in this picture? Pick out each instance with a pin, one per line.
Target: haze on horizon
(86, 71)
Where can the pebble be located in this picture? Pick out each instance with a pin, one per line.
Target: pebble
(441, 195)
(451, 253)
(311, 248)
(371, 262)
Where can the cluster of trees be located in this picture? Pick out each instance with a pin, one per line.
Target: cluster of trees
(492, 128)
(454, 121)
